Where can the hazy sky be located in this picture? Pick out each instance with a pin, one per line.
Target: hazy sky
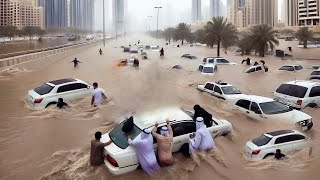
(173, 12)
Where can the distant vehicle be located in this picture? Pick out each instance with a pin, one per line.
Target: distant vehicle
(208, 69)
(257, 68)
(264, 109)
(299, 94)
(144, 55)
(49, 93)
(285, 140)
(155, 48)
(220, 90)
(140, 46)
(72, 38)
(89, 38)
(189, 56)
(315, 75)
(291, 68)
(126, 49)
(310, 44)
(289, 38)
(217, 60)
(134, 53)
(147, 47)
(316, 67)
(122, 158)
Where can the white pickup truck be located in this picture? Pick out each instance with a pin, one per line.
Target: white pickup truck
(220, 90)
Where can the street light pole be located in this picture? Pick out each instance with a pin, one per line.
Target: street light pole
(149, 22)
(158, 7)
(104, 28)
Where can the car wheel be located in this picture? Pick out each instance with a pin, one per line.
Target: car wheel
(268, 155)
(51, 103)
(185, 150)
(312, 105)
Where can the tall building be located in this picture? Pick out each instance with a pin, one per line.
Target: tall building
(21, 13)
(232, 9)
(119, 15)
(81, 14)
(215, 7)
(291, 15)
(55, 13)
(261, 12)
(196, 10)
(309, 12)
(242, 3)
(241, 20)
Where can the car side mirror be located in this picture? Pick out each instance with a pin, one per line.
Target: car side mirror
(258, 111)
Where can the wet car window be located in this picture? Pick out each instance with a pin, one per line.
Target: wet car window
(262, 140)
(315, 73)
(230, 90)
(315, 92)
(209, 86)
(120, 138)
(44, 89)
(243, 103)
(274, 107)
(292, 90)
(217, 90)
(251, 70)
(287, 68)
(254, 107)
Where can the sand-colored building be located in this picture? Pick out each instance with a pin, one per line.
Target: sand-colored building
(309, 12)
(261, 12)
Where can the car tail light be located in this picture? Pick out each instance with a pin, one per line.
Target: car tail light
(36, 101)
(255, 152)
(299, 102)
(112, 161)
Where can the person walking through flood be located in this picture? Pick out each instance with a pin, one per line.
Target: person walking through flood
(161, 52)
(201, 139)
(97, 95)
(279, 155)
(96, 153)
(75, 62)
(61, 104)
(143, 146)
(100, 51)
(164, 141)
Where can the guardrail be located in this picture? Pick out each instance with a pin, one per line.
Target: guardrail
(26, 56)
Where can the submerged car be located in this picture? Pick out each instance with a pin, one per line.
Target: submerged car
(144, 55)
(208, 69)
(267, 144)
(49, 93)
(134, 53)
(299, 94)
(220, 89)
(126, 49)
(291, 68)
(189, 56)
(263, 109)
(217, 60)
(257, 68)
(122, 158)
(315, 75)
(155, 48)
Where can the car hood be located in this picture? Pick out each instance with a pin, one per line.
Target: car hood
(293, 116)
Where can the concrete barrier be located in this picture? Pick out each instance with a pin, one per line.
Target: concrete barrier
(12, 61)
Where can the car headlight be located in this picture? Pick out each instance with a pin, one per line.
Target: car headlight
(303, 123)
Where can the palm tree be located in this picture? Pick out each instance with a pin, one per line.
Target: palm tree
(169, 34)
(183, 30)
(260, 38)
(304, 35)
(219, 31)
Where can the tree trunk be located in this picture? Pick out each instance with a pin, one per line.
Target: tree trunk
(261, 53)
(182, 41)
(169, 40)
(305, 44)
(218, 49)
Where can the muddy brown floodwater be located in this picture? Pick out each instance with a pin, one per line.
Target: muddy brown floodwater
(54, 144)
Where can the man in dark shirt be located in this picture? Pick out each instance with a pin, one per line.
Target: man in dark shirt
(61, 104)
(96, 153)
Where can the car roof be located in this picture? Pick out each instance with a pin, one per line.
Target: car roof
(257, 99)
(62, 81)
(150, 118)
(222, 85)
(280, 132)
(303, 83)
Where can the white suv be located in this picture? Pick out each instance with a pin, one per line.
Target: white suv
(49, 93)
(299, 94)
(220, 90)
(285, 140)
(122, 158)
(217, 60)
(263, 109)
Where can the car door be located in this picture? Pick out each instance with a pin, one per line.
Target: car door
(181, 133)
(314, 96)
(299, 142)
(255, 111)
(218, 92)
(66, 92)
(284, 143)
(209, 88)
(243, 105)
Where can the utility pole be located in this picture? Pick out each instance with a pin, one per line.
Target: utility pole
(158, 7)
(104, 27)
(149, 17)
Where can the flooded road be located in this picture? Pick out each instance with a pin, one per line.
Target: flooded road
(54, 144)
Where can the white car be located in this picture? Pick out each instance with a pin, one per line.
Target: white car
(257, 68)
(134, 53)
(316, 67)
(263, 109)
(315, 75)
(49, 93)
(285, 140)
(299, 94)
(208, 69)
(155, 48)
(220, 89)
(121, 158)
(140, 46)
(217, 60)
(291, 68)
(144, 55)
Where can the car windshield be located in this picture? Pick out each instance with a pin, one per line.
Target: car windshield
(120, 138)
(274, 107)
(230, 90)
(207, 70)
(262, 140)
(44, 89)
(134, 52)
(143, 53)
(315, 73)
